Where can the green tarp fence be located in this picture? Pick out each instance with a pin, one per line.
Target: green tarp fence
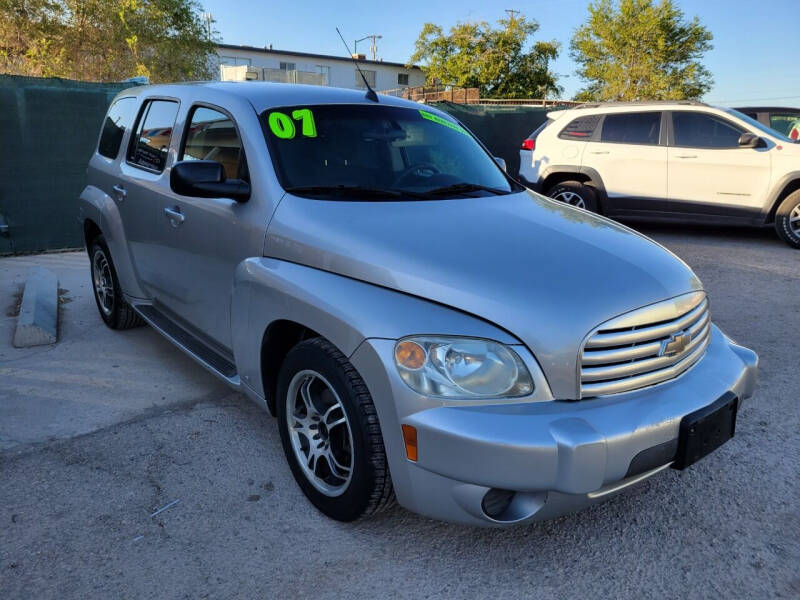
(501, 128)
(48, 131)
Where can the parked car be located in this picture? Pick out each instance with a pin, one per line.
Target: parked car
(782, 119)
(420, 324)
(680, 161)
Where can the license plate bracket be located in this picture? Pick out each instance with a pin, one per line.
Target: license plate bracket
(705, 430)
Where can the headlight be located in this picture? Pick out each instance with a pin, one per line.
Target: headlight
(453, 367)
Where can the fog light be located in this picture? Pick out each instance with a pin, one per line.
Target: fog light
(496, 502)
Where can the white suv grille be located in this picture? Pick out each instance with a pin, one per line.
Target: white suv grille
(645, 347)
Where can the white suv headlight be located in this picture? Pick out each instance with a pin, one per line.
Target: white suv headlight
(457, 367)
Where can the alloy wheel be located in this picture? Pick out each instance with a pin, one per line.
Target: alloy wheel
(319, 432)
(571, 198)
(794, 220)
(103, 282)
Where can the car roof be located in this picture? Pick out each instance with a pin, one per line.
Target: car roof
(780, 109)
(264, 94)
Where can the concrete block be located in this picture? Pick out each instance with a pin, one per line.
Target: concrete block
(37, 323)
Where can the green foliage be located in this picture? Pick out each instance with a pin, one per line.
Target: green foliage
(497, 61)
(104, 40)
(641, 50)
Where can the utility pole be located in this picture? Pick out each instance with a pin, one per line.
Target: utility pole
(512, 12)
(373, 49)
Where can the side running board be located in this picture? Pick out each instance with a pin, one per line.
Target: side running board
(193, 346)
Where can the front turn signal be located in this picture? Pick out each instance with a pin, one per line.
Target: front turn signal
(410, 439)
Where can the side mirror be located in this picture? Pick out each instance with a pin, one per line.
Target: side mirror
(750, 140)
(206, 179)
(501, 162)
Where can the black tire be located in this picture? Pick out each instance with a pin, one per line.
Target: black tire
(788, 230)
(574, 193)
(116, 313)
(369, 489)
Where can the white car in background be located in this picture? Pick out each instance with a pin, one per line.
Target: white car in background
(678, 161)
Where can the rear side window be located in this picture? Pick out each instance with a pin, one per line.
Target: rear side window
(581, 128)
(213, 136)
(785, 124)
(699, 130)
(150, 143)
(632, 128)
(118, 120)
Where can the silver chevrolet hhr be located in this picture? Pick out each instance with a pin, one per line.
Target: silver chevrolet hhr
(421, 325)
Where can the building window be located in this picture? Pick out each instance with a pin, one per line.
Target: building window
(402, 79)
(234, 61)
(325, 72)
(287, 66)
(370, 77)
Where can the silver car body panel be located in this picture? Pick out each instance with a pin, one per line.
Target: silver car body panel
(520, 269)
(543, 270)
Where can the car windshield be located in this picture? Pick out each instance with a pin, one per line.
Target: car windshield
(760, 126)
(342, 151)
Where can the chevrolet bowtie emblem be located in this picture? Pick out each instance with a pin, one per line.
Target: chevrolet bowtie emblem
(675, 344)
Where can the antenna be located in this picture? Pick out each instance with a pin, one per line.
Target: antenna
(370, 95)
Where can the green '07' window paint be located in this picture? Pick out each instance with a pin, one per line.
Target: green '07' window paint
(437, 119)
(305, 115)
(283, 127)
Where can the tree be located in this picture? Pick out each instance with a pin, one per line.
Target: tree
(642, 50)
(497, 61)
(104, 40)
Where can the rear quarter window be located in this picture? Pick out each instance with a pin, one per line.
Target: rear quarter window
(580, 128)
(118, 120)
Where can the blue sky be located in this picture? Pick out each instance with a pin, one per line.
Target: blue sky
(755, 60)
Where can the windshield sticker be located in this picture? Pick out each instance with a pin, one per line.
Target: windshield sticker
(437, 119)
(283, 127)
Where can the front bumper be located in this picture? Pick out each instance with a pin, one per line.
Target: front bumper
(556, 456)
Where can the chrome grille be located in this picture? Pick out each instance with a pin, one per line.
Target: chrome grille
(645, 347)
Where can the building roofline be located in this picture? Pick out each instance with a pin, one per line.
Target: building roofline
(313, 55)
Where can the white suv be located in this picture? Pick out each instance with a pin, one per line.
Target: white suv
(684, 161)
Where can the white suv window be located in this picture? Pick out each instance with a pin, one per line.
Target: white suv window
(642, 128)
(700, 130)
(581, 128)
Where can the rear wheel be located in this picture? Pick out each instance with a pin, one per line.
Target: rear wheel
(330, 432)
(574, 193)
(114, 310)
(787, 220)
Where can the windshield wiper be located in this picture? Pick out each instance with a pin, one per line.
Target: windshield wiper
(458, 188)
(356, 191)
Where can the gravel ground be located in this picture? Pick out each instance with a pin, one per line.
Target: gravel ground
(76, 504)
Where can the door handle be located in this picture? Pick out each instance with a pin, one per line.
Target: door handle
(120, 192)
(174, 215)
(599, 152)
(687, 156)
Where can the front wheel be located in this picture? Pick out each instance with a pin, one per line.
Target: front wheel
(330, 432)
(574, 193)
(787, 220)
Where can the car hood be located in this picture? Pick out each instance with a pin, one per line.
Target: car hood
(546, 272)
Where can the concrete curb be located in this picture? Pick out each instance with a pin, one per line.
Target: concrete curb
(37, 323)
